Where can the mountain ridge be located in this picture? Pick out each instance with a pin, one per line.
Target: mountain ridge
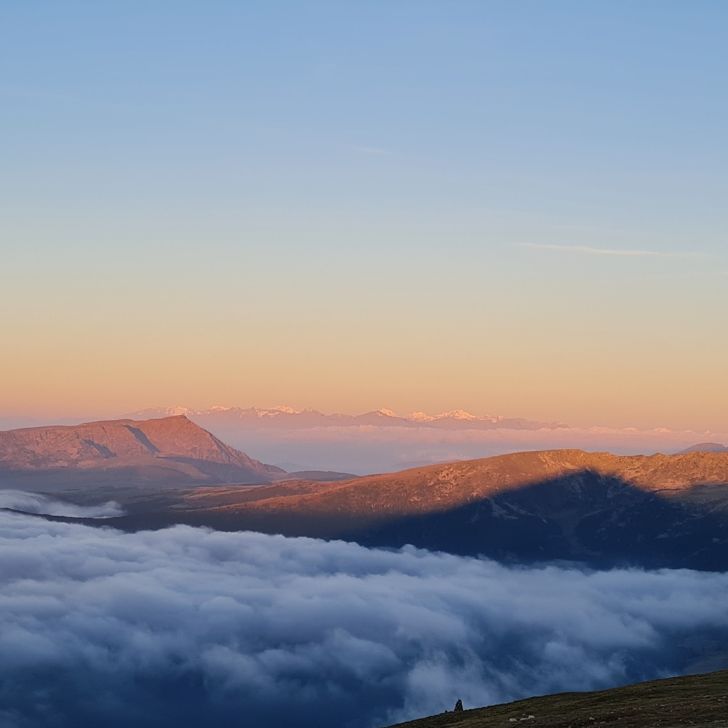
(448, 482)
(161, 449)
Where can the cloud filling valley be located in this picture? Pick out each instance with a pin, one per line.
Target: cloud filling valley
(187, 626)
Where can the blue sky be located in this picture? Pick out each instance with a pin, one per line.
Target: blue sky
(412, 175)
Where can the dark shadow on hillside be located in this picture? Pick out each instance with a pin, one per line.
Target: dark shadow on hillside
(143, 440)
(583, 516)
(102, 450)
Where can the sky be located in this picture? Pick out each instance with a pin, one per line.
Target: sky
(512, 208)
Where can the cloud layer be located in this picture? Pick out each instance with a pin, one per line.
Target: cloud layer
(189, 627)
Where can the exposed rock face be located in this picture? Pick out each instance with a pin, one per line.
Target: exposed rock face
(170, 449)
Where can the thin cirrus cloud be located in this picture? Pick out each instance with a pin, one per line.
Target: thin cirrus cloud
(617, 252)
(186, 626)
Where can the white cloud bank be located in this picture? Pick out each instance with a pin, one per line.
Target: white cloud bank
(186, 627)
(19, 500)
(618, 252)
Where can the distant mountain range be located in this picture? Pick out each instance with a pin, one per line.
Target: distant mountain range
(290, 418)
(169, 450)
(382, 440)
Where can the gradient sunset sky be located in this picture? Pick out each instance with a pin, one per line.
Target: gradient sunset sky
(512, 207)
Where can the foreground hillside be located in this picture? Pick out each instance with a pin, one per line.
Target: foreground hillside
(123, 452)
(697, 700)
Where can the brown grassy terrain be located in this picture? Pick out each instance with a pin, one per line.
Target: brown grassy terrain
(439, 487)
(698, 700)
(556, 505)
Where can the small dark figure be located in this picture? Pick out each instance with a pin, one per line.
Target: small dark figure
(459, 706)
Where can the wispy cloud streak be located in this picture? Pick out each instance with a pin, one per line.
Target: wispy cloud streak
(616, 252)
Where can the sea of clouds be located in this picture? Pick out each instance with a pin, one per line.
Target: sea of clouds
(190, 627)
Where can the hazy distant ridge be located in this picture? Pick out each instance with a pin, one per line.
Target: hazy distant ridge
(290, 418)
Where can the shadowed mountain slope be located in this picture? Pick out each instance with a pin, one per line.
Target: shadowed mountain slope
(570, 505)
(437, 488)
(170, 450)
(695, 700)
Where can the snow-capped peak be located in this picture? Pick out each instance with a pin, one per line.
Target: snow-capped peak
(457, 414)
(420, 417)
(178, 410)
(275, 411)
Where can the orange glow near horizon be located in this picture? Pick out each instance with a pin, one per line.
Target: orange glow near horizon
(195, 339)
(510, 225)
(633, 374)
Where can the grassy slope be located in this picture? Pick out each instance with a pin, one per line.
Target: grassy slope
(698, 700)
